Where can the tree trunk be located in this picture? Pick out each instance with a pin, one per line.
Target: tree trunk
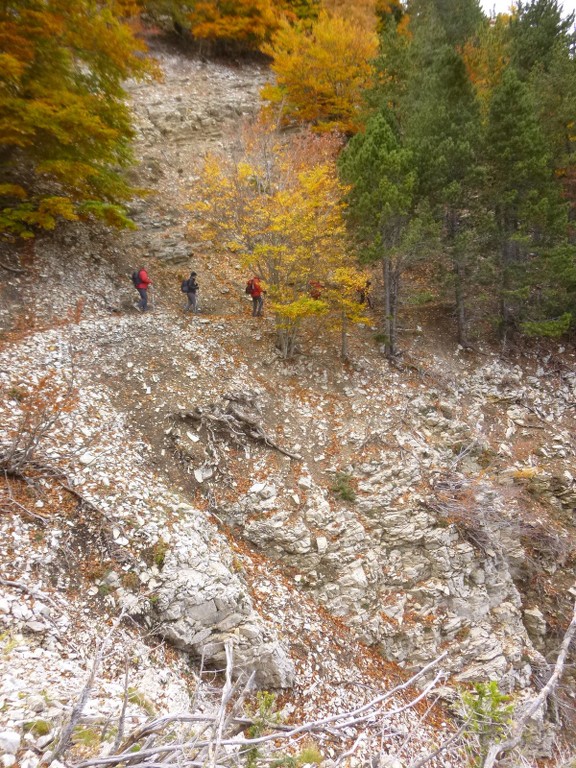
(388, 292)
(461, 315)
(509, 253)
(344, 347)
(286, 341)
(452, 221)
(395, 290)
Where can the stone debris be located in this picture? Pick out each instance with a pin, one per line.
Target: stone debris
(396, 531)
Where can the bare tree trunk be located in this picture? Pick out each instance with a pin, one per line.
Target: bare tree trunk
(286, 341)
(344, 347)
(388, 343)
(461, 315)
(395, 290)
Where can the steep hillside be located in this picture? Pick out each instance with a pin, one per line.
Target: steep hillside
(173, 488)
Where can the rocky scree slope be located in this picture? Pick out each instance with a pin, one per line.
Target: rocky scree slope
(162, 502)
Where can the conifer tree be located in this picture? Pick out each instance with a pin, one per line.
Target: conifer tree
(445, 139)
(535, 30)
(382, 178)
(426, 85)
(520, 191)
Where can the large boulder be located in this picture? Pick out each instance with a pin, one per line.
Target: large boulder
(200, 604)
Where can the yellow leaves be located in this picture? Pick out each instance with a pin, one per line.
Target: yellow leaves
(52, 207)
(487, 56)
(246, 21)
(62, 67)
(361, 12)
(13, 190)
(280, 206)
(302, 307)
(11, 68)
(321, 73)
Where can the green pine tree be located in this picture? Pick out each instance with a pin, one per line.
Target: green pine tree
(381, 203)
(521, 192)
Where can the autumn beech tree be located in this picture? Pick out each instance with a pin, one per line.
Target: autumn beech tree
(278, 204)
(247, 22)
(64, 125)
(321, 72)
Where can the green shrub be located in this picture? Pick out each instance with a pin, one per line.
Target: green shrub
(488, 714)
(343, 487)
(89, 737)
(38, 727)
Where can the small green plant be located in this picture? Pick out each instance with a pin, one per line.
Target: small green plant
(488, 714)
(38, 727)
(7, 643)
(15, 393)
(309, 754)
(264, 716)
(343, 487)
(420, 298)
(156, 555)
(141, 700)
(89, 737)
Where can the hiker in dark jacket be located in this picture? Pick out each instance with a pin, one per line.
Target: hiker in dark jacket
(142, 285)
(192, 289)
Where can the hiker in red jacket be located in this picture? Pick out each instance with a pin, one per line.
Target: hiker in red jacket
(254, 288)
(142, 283)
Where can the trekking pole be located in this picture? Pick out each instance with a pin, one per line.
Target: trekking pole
(153, 297)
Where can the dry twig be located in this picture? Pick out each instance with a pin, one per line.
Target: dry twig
(519, 725)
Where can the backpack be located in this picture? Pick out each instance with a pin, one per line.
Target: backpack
(136, 278)
(249, 287)
(184, 286)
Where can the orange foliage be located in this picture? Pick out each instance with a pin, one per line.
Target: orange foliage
(62, 113)
(361, 12)
(321, 73)
(246, 21)
(486, 57)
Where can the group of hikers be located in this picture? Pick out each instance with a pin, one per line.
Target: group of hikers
(254, 289)
(190, 287)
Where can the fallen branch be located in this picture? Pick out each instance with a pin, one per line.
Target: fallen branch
(76, 714)
(17, 505)
(35, 593)
(16, 270)
(519, 726)
(217, 750)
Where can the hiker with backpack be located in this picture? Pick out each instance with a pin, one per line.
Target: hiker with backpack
(141, 282)
(254, 288)
(190, 287)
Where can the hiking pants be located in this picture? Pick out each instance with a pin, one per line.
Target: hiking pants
(192, 302)
(143, 303)
(257, 304)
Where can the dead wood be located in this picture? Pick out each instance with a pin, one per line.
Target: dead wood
(235, 419)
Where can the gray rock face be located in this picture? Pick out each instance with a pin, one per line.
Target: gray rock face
(201, 604)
